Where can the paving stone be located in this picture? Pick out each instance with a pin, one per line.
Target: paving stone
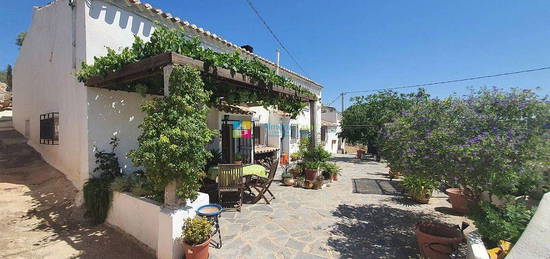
(302, 255)
(295, 244)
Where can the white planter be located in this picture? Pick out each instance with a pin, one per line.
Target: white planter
(149, 222)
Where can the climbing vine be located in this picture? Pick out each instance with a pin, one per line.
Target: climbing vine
(175, 133)
(175, 40)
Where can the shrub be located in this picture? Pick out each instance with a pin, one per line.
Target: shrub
(315, 157)
(138, 184)
(107, 162)
(330, 168)
(419, 188)
(97, 198)
(502, 223)
(175, 133)
(484, 141)
(197, 230)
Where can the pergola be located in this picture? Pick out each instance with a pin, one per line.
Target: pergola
(161, 66)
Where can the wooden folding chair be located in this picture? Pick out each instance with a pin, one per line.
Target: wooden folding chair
(230, 180)
(262, 184)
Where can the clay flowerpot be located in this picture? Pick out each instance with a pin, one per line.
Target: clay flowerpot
(458, 199)
(360, 154)
(394, 175)
(311, 174)
(295, 172)
(335, 177)
(436, 240)
(196, 251)
(288, 181)
(237, 162)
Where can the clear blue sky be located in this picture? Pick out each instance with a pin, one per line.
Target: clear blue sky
(358, 45)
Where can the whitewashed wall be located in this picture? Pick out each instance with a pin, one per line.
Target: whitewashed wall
(44, 81)
(138, 217)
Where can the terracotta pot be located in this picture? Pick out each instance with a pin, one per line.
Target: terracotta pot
(394, 175)
(458, 200)
(196, 251)
(288, 181)
(316, 186)
(237, 162)
(335, 177)
(311, 174)
(436, 240)
(295, 172)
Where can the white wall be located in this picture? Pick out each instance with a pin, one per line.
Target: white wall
(535, 240)
(44, 81)
(138, 217)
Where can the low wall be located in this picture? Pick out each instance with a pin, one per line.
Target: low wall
(138, 217)
(155, 226)
(535, 240)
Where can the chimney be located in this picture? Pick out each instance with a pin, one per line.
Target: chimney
(248, 48)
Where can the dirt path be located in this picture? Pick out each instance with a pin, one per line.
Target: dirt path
(38, 218)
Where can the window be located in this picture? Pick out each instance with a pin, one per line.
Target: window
(304, 133)
(323, 133)
(294, 131)
(49, 128)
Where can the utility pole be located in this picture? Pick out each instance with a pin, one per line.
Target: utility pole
(342, 95)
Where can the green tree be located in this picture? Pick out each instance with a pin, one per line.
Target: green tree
(174, 134)
(9, 78)
(20, 38)
(364, 121)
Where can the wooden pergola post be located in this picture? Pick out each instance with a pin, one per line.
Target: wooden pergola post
(170, 197)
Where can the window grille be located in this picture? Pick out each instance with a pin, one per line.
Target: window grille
(49, 128)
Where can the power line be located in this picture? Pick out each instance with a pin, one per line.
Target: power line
(452, 81)
(275, 36)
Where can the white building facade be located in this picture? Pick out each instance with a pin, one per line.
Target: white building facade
(65, 33)
(330, 128)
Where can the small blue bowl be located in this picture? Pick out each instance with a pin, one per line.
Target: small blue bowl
(213, 210)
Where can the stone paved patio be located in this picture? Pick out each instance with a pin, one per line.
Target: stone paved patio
(330, 223)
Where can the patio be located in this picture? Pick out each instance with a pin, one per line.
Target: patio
(330, 223)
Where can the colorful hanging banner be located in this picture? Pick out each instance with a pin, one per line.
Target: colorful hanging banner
(237, 133)
(246, 125)
(236, 125)
(247, 133)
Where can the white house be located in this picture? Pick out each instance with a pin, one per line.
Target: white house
(330, 127)
(65, 33)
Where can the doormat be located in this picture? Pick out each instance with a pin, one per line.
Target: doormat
(374, 186)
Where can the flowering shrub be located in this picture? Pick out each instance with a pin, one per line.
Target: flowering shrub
(486, 141)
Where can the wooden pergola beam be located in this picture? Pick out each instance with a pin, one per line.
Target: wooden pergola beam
(152, 66)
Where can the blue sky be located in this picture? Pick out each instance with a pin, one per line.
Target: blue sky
(360, 45)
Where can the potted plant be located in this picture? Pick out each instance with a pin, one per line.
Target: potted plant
(317, 184)
(300, 181)
(296, 170)
(288, 179)
(237, 159)
(437, 240)
(196, 237)
(459, 200)
(418, 188)
(332, 170)
(308, 184)
(313, 159)
(394, 174)
(295, 156)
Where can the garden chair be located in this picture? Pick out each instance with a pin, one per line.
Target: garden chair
(262, 184)
(230, 180)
